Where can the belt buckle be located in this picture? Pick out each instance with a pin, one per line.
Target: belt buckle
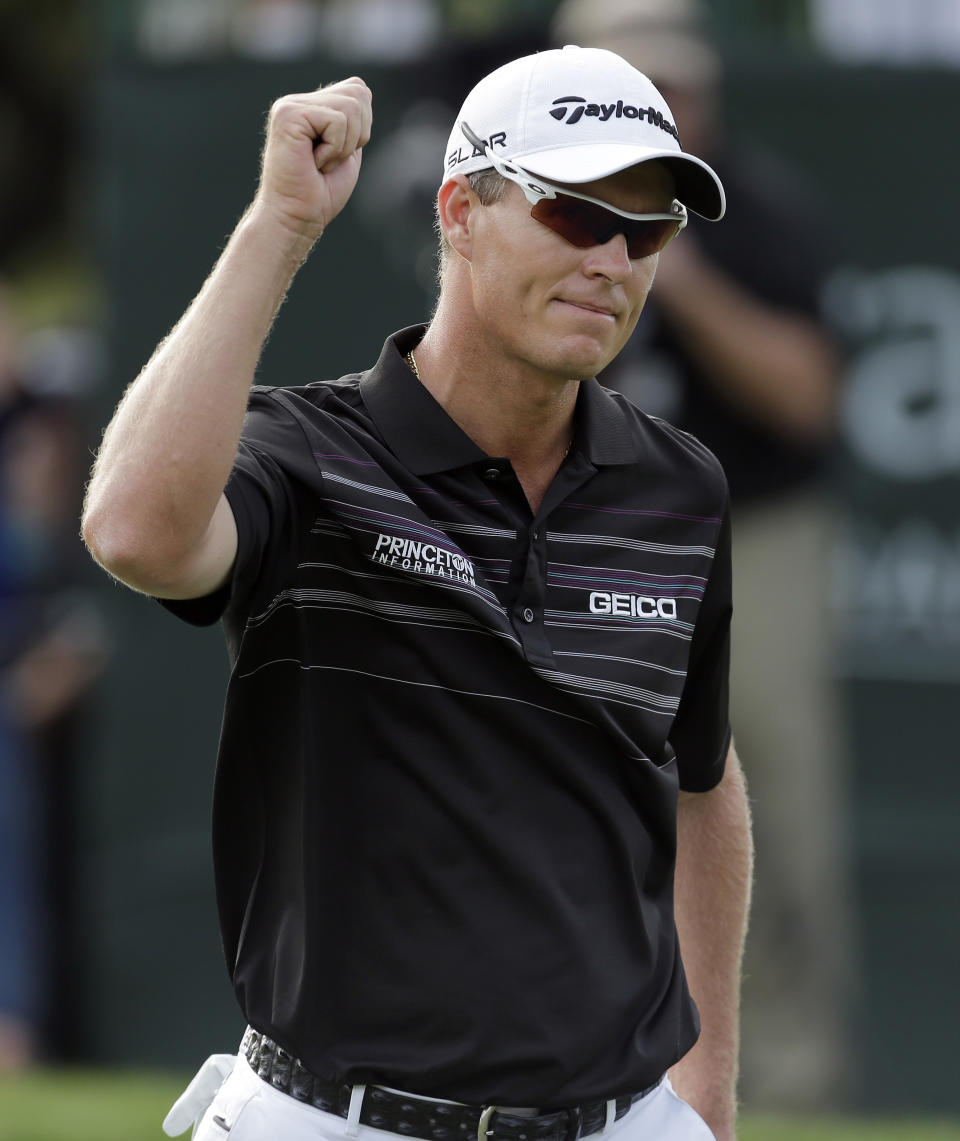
(574, 1123)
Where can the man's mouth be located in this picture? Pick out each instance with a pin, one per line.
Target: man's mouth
(589, 307)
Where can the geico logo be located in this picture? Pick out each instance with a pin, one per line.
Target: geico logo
(631, 605)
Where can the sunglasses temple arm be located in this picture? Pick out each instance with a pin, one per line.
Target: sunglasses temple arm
(472, 137)
(531, 191)
(534, 192)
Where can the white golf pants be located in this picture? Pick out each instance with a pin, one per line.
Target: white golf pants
(227, 1101)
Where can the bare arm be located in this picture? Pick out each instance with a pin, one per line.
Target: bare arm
(714, 869)
(155, 515)
(778, 364)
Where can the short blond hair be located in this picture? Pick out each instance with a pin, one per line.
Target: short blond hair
(489, 186)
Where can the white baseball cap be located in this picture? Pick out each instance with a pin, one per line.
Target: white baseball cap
(573, 115)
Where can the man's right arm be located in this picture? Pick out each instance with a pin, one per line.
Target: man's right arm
(155, 514)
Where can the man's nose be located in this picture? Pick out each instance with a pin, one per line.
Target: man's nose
(610, 259)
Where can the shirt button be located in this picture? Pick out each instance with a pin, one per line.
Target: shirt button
(492, 473)
(528, 615)
(536, 536)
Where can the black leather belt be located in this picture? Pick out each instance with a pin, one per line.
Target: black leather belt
(419, 1117)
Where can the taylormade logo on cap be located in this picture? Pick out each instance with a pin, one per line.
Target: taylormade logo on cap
(579, 107)
(575, 115)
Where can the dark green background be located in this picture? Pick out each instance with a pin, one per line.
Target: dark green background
(177, 159)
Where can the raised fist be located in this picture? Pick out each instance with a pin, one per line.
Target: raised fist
(311, 158)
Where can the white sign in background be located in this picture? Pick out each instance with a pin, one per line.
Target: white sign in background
(897, 574)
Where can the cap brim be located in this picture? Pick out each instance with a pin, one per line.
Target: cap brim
(698, 186)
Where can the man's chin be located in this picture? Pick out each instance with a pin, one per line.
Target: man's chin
(583, 361)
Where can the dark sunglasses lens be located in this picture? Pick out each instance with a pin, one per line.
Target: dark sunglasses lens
(646, 238)
(583, 225)
(578, 222)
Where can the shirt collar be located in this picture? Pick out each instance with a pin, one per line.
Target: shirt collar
(426, 440)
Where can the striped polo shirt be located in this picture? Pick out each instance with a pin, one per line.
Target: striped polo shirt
(445, 803)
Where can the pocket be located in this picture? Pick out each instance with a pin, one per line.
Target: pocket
(694, 1128)
(191, 1104)
(227, 1116)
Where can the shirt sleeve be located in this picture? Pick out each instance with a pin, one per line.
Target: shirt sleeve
(700, 736)
(261, 493)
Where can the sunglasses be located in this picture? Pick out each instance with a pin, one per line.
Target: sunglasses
(581, 220)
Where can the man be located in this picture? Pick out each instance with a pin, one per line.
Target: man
(732, 348)
(478, 612)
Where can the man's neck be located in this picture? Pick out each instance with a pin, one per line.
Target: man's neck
(506, 406)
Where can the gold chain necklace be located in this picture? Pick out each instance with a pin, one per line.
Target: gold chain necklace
(412, 364)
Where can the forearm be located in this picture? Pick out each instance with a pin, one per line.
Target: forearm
(155, 514)
(714, 870)
(168, 451)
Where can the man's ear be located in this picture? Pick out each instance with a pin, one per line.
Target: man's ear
(455, 203)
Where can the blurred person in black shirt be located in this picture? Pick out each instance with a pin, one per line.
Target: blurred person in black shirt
(732, 349)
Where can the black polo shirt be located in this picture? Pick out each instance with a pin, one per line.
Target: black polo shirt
(445, 808)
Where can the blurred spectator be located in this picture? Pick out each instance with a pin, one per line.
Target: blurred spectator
(275, 29)
(402, 169)
(906, 32)
(388, 31)
(50, 651)
(174, 30)
(730, 347)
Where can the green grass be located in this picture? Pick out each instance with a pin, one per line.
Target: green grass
(98, 1105)
(86, 1105)
(763, 1128)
